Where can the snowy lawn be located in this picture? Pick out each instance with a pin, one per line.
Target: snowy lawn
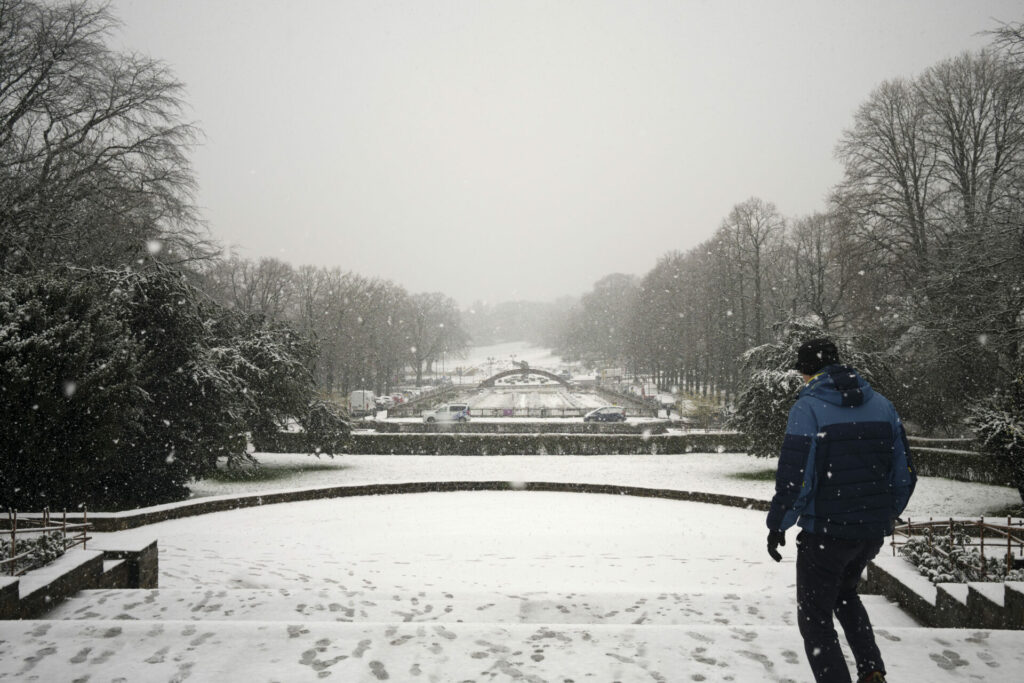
(476, 541)
(509, 586)
(702, 472)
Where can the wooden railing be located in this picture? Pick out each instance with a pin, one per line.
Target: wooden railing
(955, 446)
(72, 535)
(1003, 540)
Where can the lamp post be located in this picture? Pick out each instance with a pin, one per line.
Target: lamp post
(441, 327)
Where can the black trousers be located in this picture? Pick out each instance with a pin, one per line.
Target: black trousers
(827, 572)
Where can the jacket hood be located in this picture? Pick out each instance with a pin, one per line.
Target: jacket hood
(839, 385)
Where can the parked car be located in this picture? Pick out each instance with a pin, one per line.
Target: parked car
(606, 414)
(449, 412)
(385, 402)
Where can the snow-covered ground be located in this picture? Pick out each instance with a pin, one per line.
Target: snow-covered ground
(705, 472)
(504, 354)
(481, 362)
(510, 586)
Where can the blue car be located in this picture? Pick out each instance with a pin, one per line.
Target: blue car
(606, 414)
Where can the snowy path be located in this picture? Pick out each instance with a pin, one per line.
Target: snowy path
(509, 586)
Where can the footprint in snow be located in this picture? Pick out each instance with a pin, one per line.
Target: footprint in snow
(948, 660)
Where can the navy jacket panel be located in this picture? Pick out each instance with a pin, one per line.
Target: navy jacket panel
(845, 467)
(796, 468)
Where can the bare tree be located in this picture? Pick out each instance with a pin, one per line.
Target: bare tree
(1009, 39)
(753, 232)
(889, 176)
(93, 165)
(263, 287)
(830, 269)
(975, 102)
(434, 327)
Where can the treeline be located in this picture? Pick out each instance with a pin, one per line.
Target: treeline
(917, 257)
(366, 330)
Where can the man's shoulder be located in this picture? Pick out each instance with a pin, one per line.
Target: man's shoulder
(881, 401)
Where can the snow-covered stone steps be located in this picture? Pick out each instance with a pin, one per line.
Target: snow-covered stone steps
(301, 651)
(331, 604)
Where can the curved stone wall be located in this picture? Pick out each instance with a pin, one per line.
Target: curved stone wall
(118, 521)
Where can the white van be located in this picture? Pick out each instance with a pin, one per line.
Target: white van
(361, 402)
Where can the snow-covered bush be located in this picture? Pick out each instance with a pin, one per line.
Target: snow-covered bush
(770, 386)
(119, 387)
(999, 426)
(42, 549)
(762, 409)
(70, 392)
(945, 559)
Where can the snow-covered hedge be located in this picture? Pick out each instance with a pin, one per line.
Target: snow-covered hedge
(976, 467)
(519, 444)
(301, 442)
(42, 549)
(945, 559)
(999, 425)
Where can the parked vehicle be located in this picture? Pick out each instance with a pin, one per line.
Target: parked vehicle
(384, 402)
(361, 403)
(611, 375)
(606, 414)
(448, 412)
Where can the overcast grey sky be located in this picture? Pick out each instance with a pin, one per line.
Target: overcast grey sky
(507, 150)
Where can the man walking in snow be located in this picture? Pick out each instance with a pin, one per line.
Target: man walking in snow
(844, 476)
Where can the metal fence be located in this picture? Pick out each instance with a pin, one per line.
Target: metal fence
(32, 527)
(1003, 540)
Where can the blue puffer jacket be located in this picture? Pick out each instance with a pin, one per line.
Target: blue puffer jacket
(845, 467)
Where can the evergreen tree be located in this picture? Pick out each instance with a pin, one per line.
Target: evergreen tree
(120, 387)
(69, 393)
(771, 385)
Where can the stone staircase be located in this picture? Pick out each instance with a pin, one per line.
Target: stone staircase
(305, 605)
(278, 634)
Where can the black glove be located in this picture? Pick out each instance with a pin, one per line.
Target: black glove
(775, 539)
